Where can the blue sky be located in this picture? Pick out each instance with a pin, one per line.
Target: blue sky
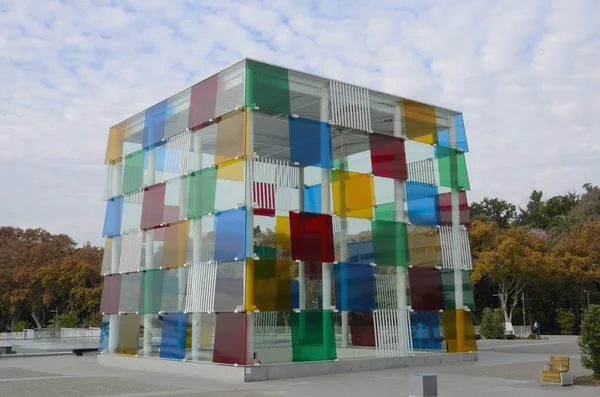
(525, 74)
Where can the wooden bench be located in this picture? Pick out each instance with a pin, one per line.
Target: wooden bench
(79, 352)
(556, 372)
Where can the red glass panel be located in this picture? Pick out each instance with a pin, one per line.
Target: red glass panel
(230, 339)
(388, 157)
(152, 210)
(445, 205)
(362, 328)
(203, 102)
(110, 294)
(312, 237)
(426, 291)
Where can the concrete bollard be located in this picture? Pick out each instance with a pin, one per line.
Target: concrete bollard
(423, 385)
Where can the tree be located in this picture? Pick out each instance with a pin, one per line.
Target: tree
(493, 210)
(531, 215)
(560, 227)
(589, 340)
(492, 323)
(588, 207)
(510, 258)
(539, 214)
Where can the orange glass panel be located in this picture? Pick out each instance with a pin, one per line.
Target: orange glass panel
(420, 121)
(129, 334)
(232, 170)
(424, 246)
(175, 250)
(231, 142)
(458, 331)
(116, 138)
(353, 194)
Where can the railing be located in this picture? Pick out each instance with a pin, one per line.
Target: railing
(54, 335)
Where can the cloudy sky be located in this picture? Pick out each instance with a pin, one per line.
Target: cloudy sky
(526, 74)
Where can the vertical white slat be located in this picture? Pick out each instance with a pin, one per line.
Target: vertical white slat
(131, 252)
(347, 120)
(369, 125)
(201, 287)
(334, 103)
(352, 106)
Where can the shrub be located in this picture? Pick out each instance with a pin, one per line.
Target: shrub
(589, 340)
(492, 323)
(66, 320)
(21, 325)
(532, 336)
(94, 320)
(566, 319)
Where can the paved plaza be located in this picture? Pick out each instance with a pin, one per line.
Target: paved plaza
(505, 368)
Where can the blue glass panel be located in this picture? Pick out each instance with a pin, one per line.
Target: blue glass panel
(295, 294)
(422, 201)
(354, 289)
(425, 329)
(312, 199)
(361, 252)
(154, 123)
(113, 216)
(461, 135)
(104, 332)
(230, 235)
(310, 143)
(174, 335)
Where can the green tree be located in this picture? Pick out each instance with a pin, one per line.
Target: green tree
(566, 319)
(65, 320)
(589, 340)
(492, 323)
(493, 210)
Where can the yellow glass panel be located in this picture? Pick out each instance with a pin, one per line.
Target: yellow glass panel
(232, 170)
(250, 285)
(459, 332)
(207, 325)
(231, 138)
(129, 334)
(273, 289)
(282, 233)
(353, 194)
(420, 122)
(175, 249)
(116, 138)
(424, 246)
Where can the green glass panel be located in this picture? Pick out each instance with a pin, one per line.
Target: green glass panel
(267, 87)
(313, 338)
(385, 212)
(452, 168)
(151, 291)
(450, 290)
(133, 176)
(264, 252)
(390, 243)
(201, 192)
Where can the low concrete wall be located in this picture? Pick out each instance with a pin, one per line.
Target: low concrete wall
(278, 371)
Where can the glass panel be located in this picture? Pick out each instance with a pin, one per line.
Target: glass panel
(175, 251)
(133, 175)
(388, 157)
(313, 337)
(350, 236)
(461, 136)
(312, 237)
(351, 150)
(203, 102)
(354, 287)
(154, 124)
(420, 162)
(425, 288)
(132, 212)
(382, 108)
(424, 246)
(231, 141)
(109, 303)
(229, 288)
(390, 243)
(283, 235)
(114, 147)
(230, 235)
(425, 330)
(151, 291)
(458, 331)
(310, 143)
(129, 297)
(361, 252)
(312, 199)
(272, 285)
(113, 216)
(452, 168)
(306, 95)
(129, 334)
(174, 290)
(174, 336)
(385, 212)
(271, 136)
(201, 192)
(104, 333)
(445, 205)
(422, 203)
(154, 200)
(231, 187)
(449, 288)
(107, 255)
(265, 252)
(267, 87)
(178, 113)
(230, 339)
(362, 328)
(353, 194)
(420, 121)
(175, 200)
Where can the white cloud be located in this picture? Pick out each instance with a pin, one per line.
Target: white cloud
(524, 73)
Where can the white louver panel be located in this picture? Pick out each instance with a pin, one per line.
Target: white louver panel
(132, 211)
(275, 184)
(386, 294)
(114, 180)
(177, 153)
(265, 329)
(392, 333)
(422, 171)
(202, 278)
(462, 258)
(350, 106)
(131, 252)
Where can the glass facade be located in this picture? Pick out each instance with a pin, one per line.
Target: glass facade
(267, 215)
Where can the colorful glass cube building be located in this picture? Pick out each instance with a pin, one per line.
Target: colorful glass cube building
(268, 215)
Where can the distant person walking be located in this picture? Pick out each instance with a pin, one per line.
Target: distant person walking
(536, 329)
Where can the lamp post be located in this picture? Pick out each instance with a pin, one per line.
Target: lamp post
(523, 327)
(587, 291)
